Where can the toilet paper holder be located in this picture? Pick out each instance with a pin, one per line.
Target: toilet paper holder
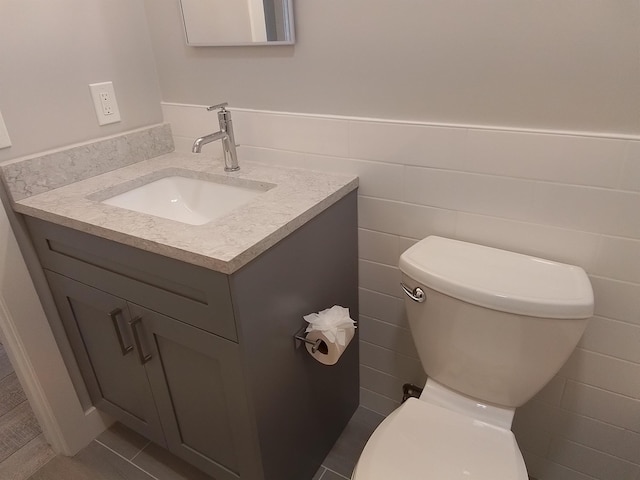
(301, 336)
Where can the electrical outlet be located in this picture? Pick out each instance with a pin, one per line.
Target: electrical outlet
(105, 103)
(5, 141)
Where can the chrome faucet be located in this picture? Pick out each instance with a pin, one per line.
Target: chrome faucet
(225, 134)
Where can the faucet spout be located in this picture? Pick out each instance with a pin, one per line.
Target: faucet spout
(212, 137)
(226, 135)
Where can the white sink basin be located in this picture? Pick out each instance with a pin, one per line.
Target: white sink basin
(186, 200)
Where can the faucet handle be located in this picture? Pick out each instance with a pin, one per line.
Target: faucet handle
(215, 107)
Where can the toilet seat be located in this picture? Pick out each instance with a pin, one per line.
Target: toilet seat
(420, 441)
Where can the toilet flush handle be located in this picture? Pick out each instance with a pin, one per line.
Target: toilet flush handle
(417, 294)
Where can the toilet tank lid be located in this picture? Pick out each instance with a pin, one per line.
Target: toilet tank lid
(499, 279)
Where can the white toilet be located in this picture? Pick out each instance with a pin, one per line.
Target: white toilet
(491, 328)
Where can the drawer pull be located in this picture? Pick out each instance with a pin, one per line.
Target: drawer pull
(113, 314)
(136, 337)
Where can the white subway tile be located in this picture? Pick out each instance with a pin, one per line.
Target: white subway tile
(533, 462)
(616, 300)
(467, 192)
(600, 436)
(413, 221)
(590, 461)
(380, 180)
(380, 383)
(614, 338)
(183, 144)
(388, 336)
(383, 307)
(552, 392)
(376, 402)
(602, 405)
(323, 136)
(591, 209)
(556, 158)
(534, 425)
(406, 369)
(553, 243)
(378, 247)
(548, 470)
(269, 156)
(630, 177)
(191, 121)
(602, 371)
(406, 243)
(407, 144)
(380, 278)
(618, 258)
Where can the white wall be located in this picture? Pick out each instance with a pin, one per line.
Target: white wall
(50, 52)
(569, 198)
(552, 64)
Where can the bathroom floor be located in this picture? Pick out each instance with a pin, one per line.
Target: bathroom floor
(122, 454)
(23, 449)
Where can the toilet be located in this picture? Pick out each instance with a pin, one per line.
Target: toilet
(491, 328)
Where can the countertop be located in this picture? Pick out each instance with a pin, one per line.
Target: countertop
(225, 244)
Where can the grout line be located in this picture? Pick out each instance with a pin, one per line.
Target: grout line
(425, 123)
(125, 459)
(508, 219)
(626, 282)
(334, 472)
(390, 349)
(323, 472)
(407, 328)
(140, 451)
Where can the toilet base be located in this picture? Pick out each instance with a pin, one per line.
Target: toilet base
(437, 394)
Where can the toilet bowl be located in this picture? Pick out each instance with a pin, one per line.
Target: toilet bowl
(491, 328)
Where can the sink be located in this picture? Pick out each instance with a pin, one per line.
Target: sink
(187, 200)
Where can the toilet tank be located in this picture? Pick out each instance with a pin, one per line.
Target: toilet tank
(495, 325)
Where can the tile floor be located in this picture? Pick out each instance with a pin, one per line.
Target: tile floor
(23, 449)
(122, 454)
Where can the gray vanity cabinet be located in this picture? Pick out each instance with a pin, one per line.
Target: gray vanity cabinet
(97, 325)
(172, 382)
(197, 383)
(206, 363)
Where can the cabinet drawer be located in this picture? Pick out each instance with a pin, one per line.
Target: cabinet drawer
(192, 294)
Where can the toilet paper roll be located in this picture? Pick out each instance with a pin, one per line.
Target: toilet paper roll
(329, 352)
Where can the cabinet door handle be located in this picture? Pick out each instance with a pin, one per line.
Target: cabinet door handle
(113, 314)
(136, 337)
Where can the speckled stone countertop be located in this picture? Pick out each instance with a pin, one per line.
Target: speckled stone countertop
(225, 244)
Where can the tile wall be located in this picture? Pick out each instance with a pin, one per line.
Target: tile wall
(573, 198)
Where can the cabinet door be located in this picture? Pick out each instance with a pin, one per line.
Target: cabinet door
(197, 383)
(97, 325)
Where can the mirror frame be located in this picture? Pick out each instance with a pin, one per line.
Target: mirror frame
(288, 28)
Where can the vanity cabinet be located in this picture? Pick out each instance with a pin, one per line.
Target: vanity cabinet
(204, 363)
(164, 378)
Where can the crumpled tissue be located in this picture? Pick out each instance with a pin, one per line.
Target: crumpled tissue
(332, 322)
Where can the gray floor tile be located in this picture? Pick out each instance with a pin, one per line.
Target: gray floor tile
(319, 473)
(5, 365)
(163, 465)
(329, 475)
(123, 440)
(17, 428)
(26, 461)
(94, 462)
(345, 453)
(11, 393)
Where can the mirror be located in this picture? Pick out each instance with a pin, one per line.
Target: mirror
(237, 22)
